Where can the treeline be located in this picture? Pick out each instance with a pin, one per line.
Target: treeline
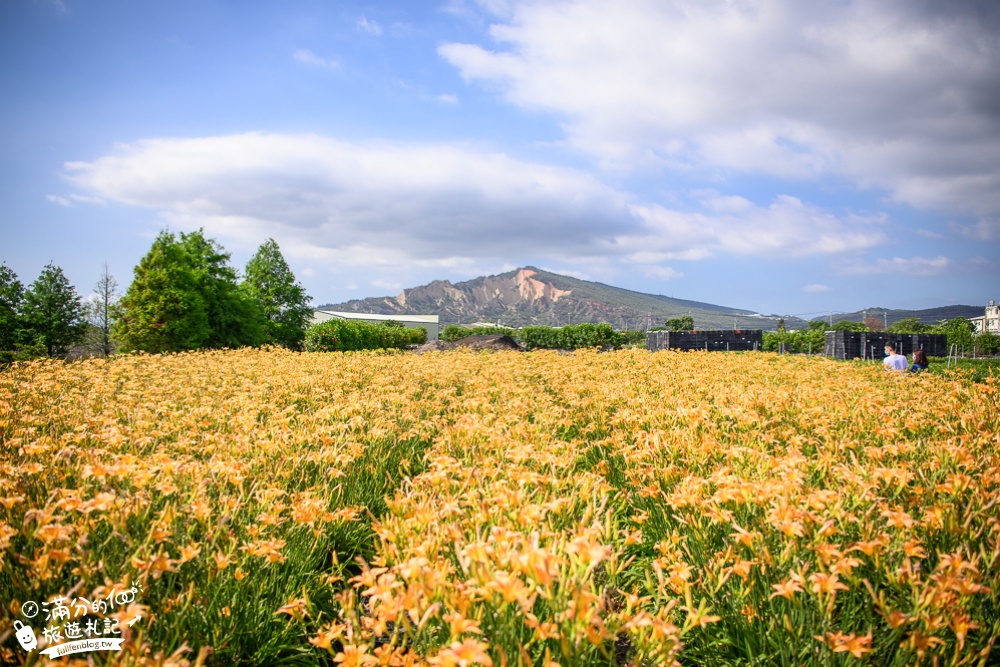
(570, 337)
(958, 330)
(184, 295)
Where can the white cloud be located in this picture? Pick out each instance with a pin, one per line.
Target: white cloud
(816, 288)
(915, 266)
(662, 272)
(61, 201)
(787, 227)
(309, 58)
(448, 98)
(384, 284)
(891, 94)
(368, 25)
(983, 230)
(440, 205)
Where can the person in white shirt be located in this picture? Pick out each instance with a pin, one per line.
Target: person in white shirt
(893, 361)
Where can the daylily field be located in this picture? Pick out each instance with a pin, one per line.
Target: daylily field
(464, 508)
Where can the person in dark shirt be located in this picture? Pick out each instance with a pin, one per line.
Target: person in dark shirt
(919, 361)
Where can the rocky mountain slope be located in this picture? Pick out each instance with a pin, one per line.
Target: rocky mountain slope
(531, 296)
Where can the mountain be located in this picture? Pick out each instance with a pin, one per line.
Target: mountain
(926, 316)
(531, 296)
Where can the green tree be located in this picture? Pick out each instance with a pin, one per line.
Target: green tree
(11, 296)
(959, 331)
(163, 309)
(908, 325)
(53, 312)
(682, 323)
(847, 325)
(184, 295)
(987, 342)
(234, 318)
(282, 301)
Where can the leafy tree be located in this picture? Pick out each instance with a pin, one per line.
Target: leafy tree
(184, 296)
(781, 325)
(283, 302)
(959, 331)
(847, 325)
(53, 312)
(100, 315)
(682, 323)
(163, 309)
(987, 342)
(234, 318)
(11, 296)
(908, 325)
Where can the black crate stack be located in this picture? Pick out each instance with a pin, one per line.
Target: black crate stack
(722, 340)
(871, 345)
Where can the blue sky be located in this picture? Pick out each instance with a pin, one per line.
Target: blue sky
(775, 155)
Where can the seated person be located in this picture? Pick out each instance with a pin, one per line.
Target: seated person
(893, 361)
(919, 361)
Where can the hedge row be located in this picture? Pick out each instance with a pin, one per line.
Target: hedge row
(345, 335)
(570, 337)
(454, 332)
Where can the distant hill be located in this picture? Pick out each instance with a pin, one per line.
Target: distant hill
(531, 296)
(926, 316)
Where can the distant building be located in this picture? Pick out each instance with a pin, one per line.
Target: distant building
(989, 321)
(428, 322)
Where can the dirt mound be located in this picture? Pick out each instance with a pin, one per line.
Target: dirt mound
(491, 342)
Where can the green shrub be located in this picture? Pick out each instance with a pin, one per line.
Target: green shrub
(571, 337)
(633, 337)
(454, 332)
(987, 342)
(347, 335)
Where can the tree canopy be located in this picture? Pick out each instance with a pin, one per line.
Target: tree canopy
(184, 295)
(283, 302)
(11, 296)
(53, 312)
(682, 323)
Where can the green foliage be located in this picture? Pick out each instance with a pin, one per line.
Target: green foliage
(282, 301)
(959, 331)
(847, 325)
(234, 318)
(571, 337)
(163, 309)
(683, 323)
(183, 296)
(348, 335)
(909, 325)
(812, 340)
(11, 296)
(453, 332)
(987, 343)
(53, 312)
(634, 337)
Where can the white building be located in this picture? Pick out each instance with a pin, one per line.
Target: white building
(428, 322)
(990, 321)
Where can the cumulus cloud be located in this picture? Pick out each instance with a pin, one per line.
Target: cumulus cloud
(441, 205)
(816, 288)
(787, 227)
(892, 94)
